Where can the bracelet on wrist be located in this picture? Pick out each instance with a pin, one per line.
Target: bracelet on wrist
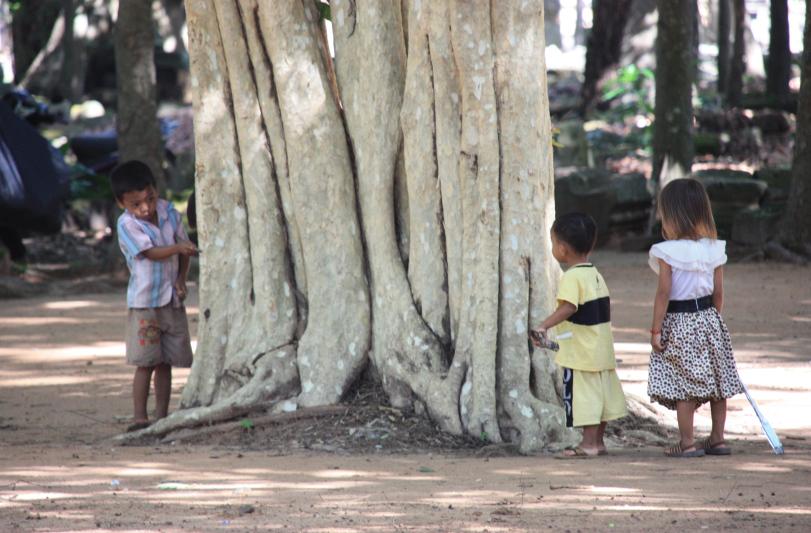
(655, 331)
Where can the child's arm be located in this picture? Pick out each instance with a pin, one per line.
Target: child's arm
(182, 272)
(565, 310)
(660, 305)
(161, 253)
(718, 289)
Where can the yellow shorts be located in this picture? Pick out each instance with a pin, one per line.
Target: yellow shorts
(592, 397)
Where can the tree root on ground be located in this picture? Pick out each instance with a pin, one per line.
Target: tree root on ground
(775, 250)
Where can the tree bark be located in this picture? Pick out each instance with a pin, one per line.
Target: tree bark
(139, 135)
(737, 64)
(604, 46)
(778, 67)
(724, 51)
(796, 224)
(302, 208)
(675, 75)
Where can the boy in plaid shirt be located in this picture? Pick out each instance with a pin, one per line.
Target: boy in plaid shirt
(157, 250)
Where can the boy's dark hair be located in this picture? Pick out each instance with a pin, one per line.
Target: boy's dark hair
(578, 230)
(130, 176)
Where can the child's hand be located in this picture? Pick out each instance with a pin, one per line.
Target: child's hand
(536, 335)
(186, 248)
(180, 288)
(656, 342)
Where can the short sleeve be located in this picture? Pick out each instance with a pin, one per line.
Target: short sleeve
(704, 255)
(569, 290)
(132, 239)
(176, 220)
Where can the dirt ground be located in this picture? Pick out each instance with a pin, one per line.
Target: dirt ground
(65, 391)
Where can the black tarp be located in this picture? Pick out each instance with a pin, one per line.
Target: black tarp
(33, 177)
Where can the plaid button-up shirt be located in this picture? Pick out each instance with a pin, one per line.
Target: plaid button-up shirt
(151, 282)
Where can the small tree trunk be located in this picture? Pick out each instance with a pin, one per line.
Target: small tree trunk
(737, 66)
(778, 67)
(69, 78)
(6, 43)
(724, 49)
(139, 135)
(675, 74)
(796, 224)
(604, 46)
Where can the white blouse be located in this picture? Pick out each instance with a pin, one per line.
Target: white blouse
(693, 264)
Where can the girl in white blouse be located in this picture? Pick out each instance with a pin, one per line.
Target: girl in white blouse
(692, 361)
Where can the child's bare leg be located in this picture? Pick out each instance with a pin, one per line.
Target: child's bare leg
(684, 416)
(600, 437)
(591, 438)
(588, 444)
(163, 389)
(140, 393)
(718, 411)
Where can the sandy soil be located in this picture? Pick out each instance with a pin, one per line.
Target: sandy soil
(65, 391)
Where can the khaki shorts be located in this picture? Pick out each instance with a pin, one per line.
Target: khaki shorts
(158, 336)
(592, 397)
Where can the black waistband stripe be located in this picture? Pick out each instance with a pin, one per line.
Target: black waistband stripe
(689, 306)
(592, 312)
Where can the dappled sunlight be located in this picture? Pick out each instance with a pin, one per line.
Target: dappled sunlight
(468, 498)
(66, 353)
(38, 321)
(12, 379)
(69, 304)
(761, 467)
(632, 347)
(614, 491)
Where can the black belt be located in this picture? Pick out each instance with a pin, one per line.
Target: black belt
(689, 306)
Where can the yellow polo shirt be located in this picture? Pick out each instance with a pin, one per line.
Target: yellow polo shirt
(585, 339)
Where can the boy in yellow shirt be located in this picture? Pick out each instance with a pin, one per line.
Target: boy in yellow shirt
(592, 391)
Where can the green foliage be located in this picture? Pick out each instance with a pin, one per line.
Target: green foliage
(630, 96)
(246, 424)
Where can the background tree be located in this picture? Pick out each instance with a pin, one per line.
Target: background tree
(303, 283)
(796, 224)
(737, 63)
(604, 46)
(675, 74)
(139, 135)
(778, 66)
(724, 48)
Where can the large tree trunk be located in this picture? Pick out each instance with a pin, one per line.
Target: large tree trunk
(675, 74)
(604, 46)
(724, 49)
(139, 135)
(796, 225)
(778, 68)
(303, 280)
(737, 64)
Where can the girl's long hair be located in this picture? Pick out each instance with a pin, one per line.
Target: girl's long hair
(685, 210)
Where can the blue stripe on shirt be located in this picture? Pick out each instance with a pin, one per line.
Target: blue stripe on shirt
(129, 243)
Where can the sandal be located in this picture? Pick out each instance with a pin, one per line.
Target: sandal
(137, 426)
(678, 451)
(575, 452)
(717, 448)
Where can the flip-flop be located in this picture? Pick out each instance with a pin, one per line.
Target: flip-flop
(576, 453)
(717, 448)
(137, 426)
(678, 451)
